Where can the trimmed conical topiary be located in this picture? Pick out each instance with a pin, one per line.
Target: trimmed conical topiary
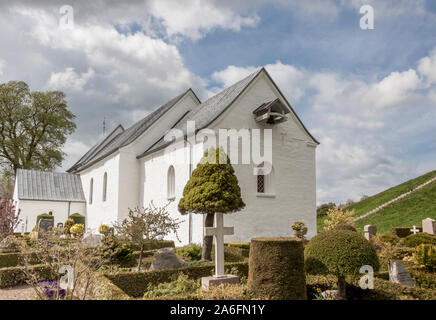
(213, 187)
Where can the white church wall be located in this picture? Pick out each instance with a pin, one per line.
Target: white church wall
(128, 184)
(30, 209)
(102, 212)
(294, 180)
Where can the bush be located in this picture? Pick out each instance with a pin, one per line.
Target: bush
(150, 245)
(135, 284)
(14, 276)
(423, 279)
(389, 238)
(9, 244)
(277, 268)
(14, 259)
(341, 253)
(225, 292)
(403, 232)
(242, 245)
(115, 252)
(321, 211)
(191, 252)
(104, 229)
(77, 230)
(78, 218)
(425, 255)
(415, 240)
(67, 226)
(232, 254)
(336, 216)
(299, 228)
(345, 226)
(182, 285)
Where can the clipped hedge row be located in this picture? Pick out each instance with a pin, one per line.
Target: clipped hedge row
(104, 289)
(135, 284)
(14, 276)
(14, 259)
(153, 245)
(415, 240)
(403, 232)
(424, 279)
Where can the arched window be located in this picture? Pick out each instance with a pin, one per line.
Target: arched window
(171, 183)
(104, 186)
(91, 189)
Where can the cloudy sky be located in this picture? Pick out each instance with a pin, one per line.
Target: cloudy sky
(369, 96)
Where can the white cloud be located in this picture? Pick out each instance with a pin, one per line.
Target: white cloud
(69, 79)
(194, 18)
(427, 67)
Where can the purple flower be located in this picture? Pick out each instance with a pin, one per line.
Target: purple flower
(62, 293)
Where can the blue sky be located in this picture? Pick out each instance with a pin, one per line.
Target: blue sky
(369, 96)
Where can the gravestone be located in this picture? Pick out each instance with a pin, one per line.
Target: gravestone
(60, 225)
(92, 240)
(399, 274)
(428, 226)
(166, 258)
(44, 226)
(370, 231)
(219, 231)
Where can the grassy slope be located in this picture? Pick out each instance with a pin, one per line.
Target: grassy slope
(374, 201)
(406, 212)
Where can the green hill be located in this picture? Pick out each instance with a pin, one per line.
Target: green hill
(404, 212)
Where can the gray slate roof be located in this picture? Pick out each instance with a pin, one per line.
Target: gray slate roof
(112, 143)
(45, 185)
(206, 112)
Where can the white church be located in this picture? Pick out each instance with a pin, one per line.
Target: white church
(134, 167)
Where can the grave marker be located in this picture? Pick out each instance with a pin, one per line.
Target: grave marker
(428, 226)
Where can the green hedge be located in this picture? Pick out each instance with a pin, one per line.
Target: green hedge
(415, 240)
(43, 216)
(403, 232)
(14, 276)
(14, 259)
(135, 284)
(78, 218)
(152, 245)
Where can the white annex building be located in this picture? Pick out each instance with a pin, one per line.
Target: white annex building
(132, 167)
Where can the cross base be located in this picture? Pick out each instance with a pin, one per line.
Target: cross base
(208, 282)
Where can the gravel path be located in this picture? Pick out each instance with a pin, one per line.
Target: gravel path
(23, 292)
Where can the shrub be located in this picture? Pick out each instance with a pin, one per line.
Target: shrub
(321, 211)
(135, 284)
(150, 245)
(192, 252)
(77, 230)
(14, 276)
(225, 292)
(78, 218)
(425, 255)
(115, 252)
(9, 244)
(345, 226)
(403, 232)
(67, 226)
(14, 259)
(420, 238)
(336, 216)
(300, 229)
(341, 253)
(277, 268)
(9, 217)
(390, 238)
(104, 229)
(242, 245)
(181, 285)
(232, 254)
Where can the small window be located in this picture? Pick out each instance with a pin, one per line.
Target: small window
(171, 183)
(91, 187)
(104, 186)
(261, 183)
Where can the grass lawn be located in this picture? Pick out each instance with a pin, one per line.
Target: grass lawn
(406, 212)
(374, 201)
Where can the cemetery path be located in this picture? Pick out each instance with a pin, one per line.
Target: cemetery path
(22, 292)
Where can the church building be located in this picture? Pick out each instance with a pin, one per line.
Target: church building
(139, 165)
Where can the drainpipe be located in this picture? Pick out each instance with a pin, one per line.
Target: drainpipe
(190, 174)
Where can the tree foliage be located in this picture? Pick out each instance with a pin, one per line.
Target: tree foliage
(336, 217)
(9, 217)
(145, 224)
(33, 127)
(213, 186)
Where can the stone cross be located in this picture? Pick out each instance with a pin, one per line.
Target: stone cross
(428, 226)
(414, 230)
(370, 231)
(219, 231)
